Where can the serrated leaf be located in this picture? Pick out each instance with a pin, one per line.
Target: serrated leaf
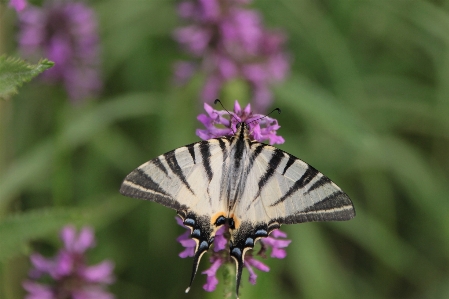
(17, 230)
(14, 72)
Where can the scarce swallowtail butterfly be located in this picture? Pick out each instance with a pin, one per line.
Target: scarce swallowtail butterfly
(252, 187)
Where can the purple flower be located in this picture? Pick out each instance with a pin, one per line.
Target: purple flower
(230, 42)
(220, 254)
(66, 33)
(18, 5)
(276, 244)
(212, 280)
(220, 123)
(252, 262)
(70, 275)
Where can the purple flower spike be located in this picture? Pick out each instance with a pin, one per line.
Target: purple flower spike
(66, 33)
(72, 277)
(277, 244)
(261, 127)
(229, 42)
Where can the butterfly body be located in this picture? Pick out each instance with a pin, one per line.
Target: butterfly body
(251, 186)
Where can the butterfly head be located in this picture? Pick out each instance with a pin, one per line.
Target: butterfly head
(242, 130)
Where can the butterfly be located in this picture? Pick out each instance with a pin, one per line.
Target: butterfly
(252, 187)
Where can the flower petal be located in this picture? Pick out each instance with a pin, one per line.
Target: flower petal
(220, 240)
(277, 233)
(100, 273)
(64, 264)
(41, 264)
(252, 274)
(67, 235)
(86, 239)
(257, 264)
(37, 290)
(211, 273)
(18, 5)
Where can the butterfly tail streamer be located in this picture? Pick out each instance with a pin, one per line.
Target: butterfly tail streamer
(238, 255)
(196, 261)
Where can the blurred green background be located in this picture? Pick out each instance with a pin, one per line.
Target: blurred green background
(366, 103)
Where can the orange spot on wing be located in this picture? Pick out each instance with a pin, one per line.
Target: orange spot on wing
(214, 218)
(237, 221)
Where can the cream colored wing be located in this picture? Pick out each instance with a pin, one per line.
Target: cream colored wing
(291, 191)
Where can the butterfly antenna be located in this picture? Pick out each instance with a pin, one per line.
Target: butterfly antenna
(230, 114)
(275, 109)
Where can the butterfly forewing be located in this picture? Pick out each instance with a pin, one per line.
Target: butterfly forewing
(291, 191)
(179, 179)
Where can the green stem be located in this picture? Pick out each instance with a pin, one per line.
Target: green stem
(229, 280)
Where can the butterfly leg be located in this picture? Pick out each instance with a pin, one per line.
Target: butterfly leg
(202, 232)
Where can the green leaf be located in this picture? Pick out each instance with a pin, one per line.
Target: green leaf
(17, 230)
(15, 71)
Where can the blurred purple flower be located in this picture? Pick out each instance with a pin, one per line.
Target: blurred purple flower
(232, 43)
(66, 33)
(71, 276)
(183, 71)
(220, 254)
(220, 123)
(18, 5)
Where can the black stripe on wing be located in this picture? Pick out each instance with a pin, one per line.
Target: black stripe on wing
(205, 155)
(191, 149)
(254, 154)
(291, 160)
(239, 151)
(139, 177)
(157, 162)
(170, 157)
(138, 184)
(335, 207)
(272, 166)
(321, 182)
(308, 176)
(224, 147)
